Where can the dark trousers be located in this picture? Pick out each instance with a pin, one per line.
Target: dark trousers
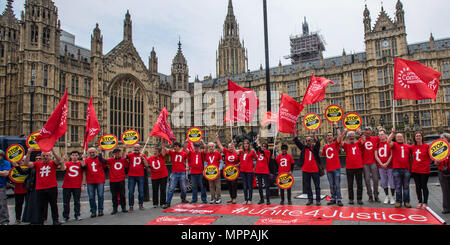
(31, 209)
(19, 200)
(67, 194)
(118, 194)
(353, 174)
(263, 178)
(444, 180)
(159, 186)
(316, 179)
(289, 194)
(247, 179)
(421, 181)
(44, 198)
(232, 188)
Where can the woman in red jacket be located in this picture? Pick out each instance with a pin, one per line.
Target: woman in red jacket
(246, 157)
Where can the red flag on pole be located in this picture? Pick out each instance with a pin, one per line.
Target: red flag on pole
(288, 114)
(55, 127)
(162, 128)
(316, 90)
(243, 103)
(92, 125)
(414, 81)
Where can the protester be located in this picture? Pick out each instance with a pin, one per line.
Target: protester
(444, 179)
(383, 156)
(369, 143)
(262, 169)
(20, 193)
(179, 172)
(285, 165)
(401, 169)
(95, 177)
(136, 169)
(31, 211)
(5, 166)
(158, 173)
(213, 157)
(74, 183)
(420, 169)
(354, 165)
(196, 161)
(310, 163)
(246, 157)
(46, 185)
(333, 166)
(231, 158)
(117, 165)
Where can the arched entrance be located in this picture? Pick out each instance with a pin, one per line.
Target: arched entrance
(126, 106)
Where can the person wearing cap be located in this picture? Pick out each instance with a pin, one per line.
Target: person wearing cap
(5, 166)
(117, 165)
(369, 144)
(196, 162)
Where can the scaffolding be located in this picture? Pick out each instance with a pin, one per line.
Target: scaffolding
(307, 46)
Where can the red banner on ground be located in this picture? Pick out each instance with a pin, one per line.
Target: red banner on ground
(385, 215)
(292, 221)
(179, 220)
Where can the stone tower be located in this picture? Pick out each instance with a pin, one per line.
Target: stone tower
(180, 71)
(231, 56)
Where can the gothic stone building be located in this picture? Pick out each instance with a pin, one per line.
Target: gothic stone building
(38, 61)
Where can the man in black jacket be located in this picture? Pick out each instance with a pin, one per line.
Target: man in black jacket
(310, 164)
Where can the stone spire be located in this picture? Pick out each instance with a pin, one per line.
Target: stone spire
(127, 28)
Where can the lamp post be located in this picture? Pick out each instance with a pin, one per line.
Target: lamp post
(266, 44)
(32, 89)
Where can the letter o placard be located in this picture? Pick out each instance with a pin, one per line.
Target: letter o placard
(15, 153)
(195, 134)
(352, 121)
(231, 173)
(130, 137)
(31, 141)
(285, 181)
(211, 172)
(107, 142)
(439, 150)
(312, 121)
(334, 113)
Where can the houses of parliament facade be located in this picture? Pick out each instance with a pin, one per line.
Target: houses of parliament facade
(39, 61)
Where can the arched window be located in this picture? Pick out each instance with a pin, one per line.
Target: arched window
(126, 107)
(34, 33)
(2, 51)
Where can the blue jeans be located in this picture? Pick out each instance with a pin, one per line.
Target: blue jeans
(176, 178)
(401, 181)
(132, 181)
(334, 178)
(316, 179)
(196, 180)
(99, 188)
(247, 179)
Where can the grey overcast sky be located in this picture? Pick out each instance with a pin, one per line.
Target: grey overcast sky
(199, 23)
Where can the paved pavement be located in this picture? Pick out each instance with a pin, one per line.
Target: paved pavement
(139, 217)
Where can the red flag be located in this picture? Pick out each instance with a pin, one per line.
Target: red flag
(243, 103)
(190, 146)
(92, 125)
(162, 128)
(55, 127)
(414, 81)
(269, 118)
(288, 114)
(227, 118)
(316, 90)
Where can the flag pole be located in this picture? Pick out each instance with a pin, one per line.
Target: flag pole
(148, 138)
(274, 142)
(393, 113)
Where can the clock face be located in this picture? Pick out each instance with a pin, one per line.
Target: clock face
(385, 43)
